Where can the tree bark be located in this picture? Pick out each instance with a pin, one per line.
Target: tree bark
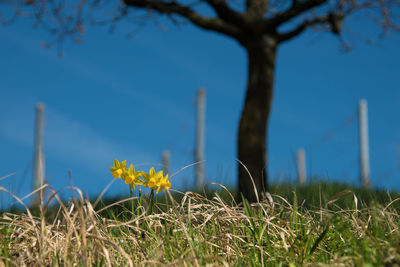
(252, 134)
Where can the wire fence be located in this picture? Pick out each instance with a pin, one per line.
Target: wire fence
(340, 141)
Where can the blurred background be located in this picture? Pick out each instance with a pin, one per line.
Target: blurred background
(133, 98)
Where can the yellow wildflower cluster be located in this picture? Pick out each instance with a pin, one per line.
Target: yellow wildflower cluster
(152, 179)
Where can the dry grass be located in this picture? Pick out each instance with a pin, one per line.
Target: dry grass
(200, 231)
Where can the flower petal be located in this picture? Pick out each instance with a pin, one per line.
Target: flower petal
(116, 163)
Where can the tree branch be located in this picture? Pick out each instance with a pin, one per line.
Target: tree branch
(334, 21)
(296, 9)
(225, 12)
(170, 8)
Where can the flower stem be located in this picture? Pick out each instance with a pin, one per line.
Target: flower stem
(150, 210)
(132, 201)
(140, 200)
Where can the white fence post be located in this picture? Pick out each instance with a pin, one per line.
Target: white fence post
(38, 161)
(364, 143)
(301, 166)
(199, 153)
(165, 156)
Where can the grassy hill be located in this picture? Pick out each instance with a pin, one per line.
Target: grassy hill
(313, 225)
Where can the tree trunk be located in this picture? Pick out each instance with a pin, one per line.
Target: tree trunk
(252, 135)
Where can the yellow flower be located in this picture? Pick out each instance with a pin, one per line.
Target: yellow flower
(156, 181)
(132, 177)
(163, 184)
(118, 169)
(152, 178)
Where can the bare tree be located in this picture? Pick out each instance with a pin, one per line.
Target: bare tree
(260, 26)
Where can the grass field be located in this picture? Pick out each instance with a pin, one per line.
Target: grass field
(321, 224)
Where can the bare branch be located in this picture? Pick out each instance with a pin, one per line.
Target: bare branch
(225, 12)
(334, 22)
(296, 9)
(171, 8)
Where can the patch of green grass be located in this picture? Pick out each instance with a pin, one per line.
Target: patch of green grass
(314, 194)
(314, 225)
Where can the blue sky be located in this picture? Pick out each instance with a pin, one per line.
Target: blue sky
(113, 97)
